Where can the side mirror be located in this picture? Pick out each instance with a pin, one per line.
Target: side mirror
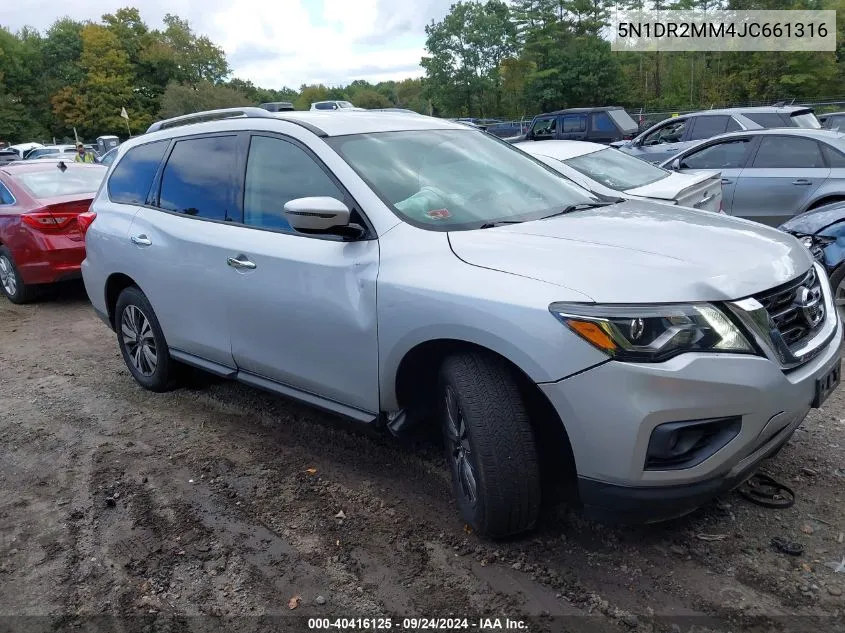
(676, 165)
(319, 214)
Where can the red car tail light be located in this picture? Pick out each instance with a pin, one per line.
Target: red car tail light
(48, 221)
(84, 220)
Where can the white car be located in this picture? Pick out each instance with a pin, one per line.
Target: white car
(334, 105)
(609, 172)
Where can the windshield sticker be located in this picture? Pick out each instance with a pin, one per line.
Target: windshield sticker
(438, 214)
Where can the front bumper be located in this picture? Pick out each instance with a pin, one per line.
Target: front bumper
(611, 410)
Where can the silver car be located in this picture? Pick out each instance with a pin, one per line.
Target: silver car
(667, 138)
(771, 175)
(402, 270)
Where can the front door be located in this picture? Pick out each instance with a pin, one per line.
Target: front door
(302, 308)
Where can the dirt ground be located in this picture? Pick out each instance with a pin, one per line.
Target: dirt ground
(217, 499)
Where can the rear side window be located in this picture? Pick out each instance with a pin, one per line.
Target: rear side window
(277, 172)
(6, 196)
(132, 178)
(768, 119)
(727, 155)
(708, 127)
(602, 123)
(575, 123)
(733, 126)
(834, 158)
(780, 152)
(197, 179)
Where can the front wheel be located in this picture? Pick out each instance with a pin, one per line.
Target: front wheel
(489, 445)
(141, 341)
(837, 286)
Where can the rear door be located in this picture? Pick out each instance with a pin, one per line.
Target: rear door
(573, 127)
(179, 242)
(727, 157)
(780, 179)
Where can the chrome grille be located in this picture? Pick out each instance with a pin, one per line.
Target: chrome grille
(796, 309)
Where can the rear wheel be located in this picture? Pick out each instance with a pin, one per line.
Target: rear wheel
(11, 283)
(141, 341)
(489, 445)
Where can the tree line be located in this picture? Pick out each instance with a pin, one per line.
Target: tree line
(484, 58)
(79, 75)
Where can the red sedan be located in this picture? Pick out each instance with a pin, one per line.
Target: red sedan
(40, 237)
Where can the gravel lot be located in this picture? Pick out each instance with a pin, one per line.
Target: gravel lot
(217, 499)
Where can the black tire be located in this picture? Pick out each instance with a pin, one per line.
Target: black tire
(498, 445)
(22, 293)
(836, 278)
(155, 377)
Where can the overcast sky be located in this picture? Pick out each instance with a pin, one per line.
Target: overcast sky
(277, 43)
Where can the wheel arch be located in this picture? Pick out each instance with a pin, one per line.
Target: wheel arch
(115, 284)
(415, 388)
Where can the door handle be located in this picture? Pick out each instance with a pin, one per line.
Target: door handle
(141, 240)
(727, 181)
(802, 181)
(240, 262)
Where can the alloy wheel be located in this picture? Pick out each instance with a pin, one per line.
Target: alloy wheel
(8, 279)
(137, 336)
(460, 452)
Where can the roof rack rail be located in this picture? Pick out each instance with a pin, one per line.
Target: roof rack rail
(211, 115)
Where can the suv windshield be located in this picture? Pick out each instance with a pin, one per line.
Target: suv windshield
(616, 169)
(456, 179)
(805, 120)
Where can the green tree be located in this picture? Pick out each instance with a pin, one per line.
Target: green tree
(370, 99)
(179, 99)
(311, 94)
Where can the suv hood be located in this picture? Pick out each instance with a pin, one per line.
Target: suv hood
(639, 252)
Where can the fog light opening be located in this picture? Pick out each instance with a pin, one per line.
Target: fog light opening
(679, 445)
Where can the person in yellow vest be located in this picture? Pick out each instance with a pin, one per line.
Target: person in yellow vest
(82, 156)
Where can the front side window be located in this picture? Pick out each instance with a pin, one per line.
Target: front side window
(616, 169)
(708, 126)
(672, 132)
(197, 179)
(456, 179)
(545, 128)
(132, 178)
(575, 123)
(781, 152)
(727, 155)
(277, 172)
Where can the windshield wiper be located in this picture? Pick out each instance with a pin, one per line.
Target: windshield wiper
(490, 225)
(581, 206)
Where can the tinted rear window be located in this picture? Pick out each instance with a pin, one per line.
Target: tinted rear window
(132, 178)
(55, 182)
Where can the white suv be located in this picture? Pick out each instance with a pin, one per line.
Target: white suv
(398, 270)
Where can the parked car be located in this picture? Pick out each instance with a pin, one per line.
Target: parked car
(669, 137)
(8, 155)
(771, 175)
(400, 270)
(278, 106)
(822, 231)
(509, 129)
(23, 148)
(333, 105)
(832, 120)
(608, 172)
(40, 237)
(599, 125)
(49, 150)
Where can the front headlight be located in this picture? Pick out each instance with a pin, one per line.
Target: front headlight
(653, 333)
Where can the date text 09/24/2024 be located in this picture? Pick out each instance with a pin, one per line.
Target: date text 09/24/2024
(417, 624)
